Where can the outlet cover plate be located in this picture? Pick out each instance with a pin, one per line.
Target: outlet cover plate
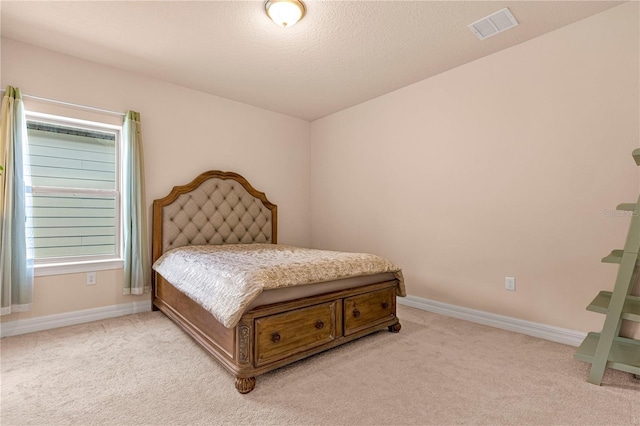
(91, 278)
(510, 283)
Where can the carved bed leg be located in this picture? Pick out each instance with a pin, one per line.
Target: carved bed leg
(395, 328)
(245, 385)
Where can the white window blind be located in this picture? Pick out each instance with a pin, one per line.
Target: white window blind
(75, 190)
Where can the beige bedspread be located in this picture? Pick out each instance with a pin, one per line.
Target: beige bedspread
(224, 279)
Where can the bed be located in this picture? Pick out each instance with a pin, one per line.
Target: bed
(278, 320)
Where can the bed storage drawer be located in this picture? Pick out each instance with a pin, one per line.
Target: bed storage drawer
(369, 309)
(279, 336)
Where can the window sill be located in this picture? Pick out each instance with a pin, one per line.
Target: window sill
(44, 270)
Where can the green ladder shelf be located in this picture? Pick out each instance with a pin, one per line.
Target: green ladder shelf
(608, 349)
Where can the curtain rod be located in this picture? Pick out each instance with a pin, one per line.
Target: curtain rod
(69, 104)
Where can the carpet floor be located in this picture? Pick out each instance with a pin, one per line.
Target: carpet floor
(142, 369)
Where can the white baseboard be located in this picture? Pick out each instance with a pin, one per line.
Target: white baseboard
(543, 331)
(29, 325)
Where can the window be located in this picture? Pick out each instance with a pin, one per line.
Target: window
(75, 186)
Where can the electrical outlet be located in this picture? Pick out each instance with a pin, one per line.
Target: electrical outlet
(91, 278)
(510, 283)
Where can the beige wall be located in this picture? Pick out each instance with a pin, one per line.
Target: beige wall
(501, 167)
(185, 132)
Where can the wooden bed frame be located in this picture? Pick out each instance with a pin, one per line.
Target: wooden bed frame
(270, 336)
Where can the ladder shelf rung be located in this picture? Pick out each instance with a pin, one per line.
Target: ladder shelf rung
(627, 207)
(616, 257)
(630, 310)
(624, 354)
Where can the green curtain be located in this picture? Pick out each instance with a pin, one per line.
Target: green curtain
(16, 247)
(137, 267)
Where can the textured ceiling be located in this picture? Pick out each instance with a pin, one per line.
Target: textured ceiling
(342, 53)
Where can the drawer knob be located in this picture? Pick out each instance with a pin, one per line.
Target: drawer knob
(385, 305)
(319, 325)
(275, 337)
(356, 313)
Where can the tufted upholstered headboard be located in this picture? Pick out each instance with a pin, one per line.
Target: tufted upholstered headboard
(215, 208)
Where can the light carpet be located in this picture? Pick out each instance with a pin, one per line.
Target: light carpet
(142, 369)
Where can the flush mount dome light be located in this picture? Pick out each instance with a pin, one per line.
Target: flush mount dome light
(285, 12)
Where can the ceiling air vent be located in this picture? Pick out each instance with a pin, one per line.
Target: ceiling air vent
(493, 24)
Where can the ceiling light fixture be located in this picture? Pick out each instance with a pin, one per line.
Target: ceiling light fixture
(285, 12)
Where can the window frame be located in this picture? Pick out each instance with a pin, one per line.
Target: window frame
(84, 263)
